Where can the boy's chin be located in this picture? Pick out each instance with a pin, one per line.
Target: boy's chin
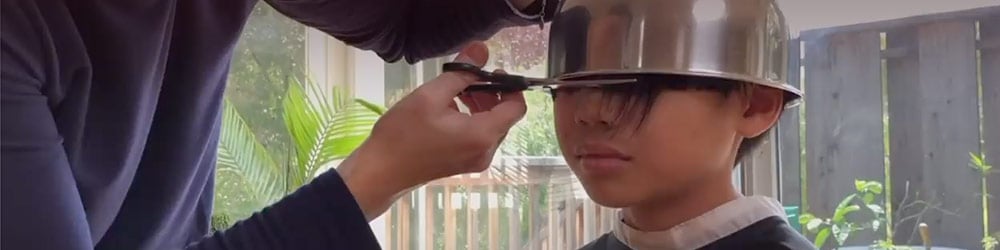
(613, 197)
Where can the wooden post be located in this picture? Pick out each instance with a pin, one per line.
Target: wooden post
(989, 30)
(537, 177)
(493, 205)
(390, 235)
(449, 220)
(553, 229)
(610, 220)
(513, 220)
(571, 209)
(844, 119)
(471, 240)
(589, 222)
(599, 220)
(403, 223)
(430, 206)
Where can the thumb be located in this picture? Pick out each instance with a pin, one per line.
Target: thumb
(503, 116)
(450, 84)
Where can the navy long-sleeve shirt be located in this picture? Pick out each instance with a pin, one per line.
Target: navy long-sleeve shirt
(111, 109)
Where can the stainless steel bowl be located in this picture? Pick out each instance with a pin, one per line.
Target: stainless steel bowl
(743, 40)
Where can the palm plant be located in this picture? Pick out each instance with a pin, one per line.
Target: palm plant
(323, 129)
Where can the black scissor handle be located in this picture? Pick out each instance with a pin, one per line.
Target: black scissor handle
(498, 82)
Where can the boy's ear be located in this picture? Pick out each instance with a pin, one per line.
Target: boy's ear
(763, 107)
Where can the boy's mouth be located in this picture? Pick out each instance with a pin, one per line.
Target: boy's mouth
(601, 158)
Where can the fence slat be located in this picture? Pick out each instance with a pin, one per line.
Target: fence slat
(553, 211)
(844, 119)
(493, 206)
(572, 207)
(788, 138)
(471, 239)
(935, 125)
(449, 220)
(905, 133)
(948, 72)
(513, 219)
(403, 222)
(430, 206)
(990, 59)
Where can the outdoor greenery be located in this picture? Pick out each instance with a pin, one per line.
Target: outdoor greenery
(980, 164)
(270, 51)
(322, 128)
(868, 197)
(535, 134)
(519, 49)
(273, 139)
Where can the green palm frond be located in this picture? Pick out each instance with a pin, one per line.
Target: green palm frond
(304, 124)
(324, 127)
(240, 152)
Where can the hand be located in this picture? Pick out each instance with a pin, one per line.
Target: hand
(424, 137)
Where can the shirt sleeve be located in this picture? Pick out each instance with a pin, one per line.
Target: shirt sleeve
(412, 29)
(320, 215)
(42, 207)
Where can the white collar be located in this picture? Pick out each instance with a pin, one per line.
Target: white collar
(704, 229)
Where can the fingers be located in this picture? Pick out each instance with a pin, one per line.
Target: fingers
(480, 101)
(449, 84)
(475, 53)
(503, 116)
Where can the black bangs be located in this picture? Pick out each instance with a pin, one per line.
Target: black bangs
(634, 100)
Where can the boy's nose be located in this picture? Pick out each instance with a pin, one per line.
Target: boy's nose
(594, 108)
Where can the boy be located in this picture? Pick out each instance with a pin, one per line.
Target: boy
(709, 82)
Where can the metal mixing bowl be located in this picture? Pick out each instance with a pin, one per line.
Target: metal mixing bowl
(743, 40)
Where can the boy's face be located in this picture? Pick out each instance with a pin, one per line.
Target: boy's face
(687, 137)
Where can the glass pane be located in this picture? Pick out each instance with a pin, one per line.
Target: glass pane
(267, 58)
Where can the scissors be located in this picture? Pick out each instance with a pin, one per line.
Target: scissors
(500, 82)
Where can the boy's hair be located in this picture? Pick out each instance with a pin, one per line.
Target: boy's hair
(637, 98)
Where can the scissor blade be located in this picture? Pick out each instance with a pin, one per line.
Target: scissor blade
(555, 83)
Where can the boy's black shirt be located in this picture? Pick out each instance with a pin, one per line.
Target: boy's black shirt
(769, 233)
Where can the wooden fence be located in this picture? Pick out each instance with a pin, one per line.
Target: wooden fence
(903, 102)
(525, 203)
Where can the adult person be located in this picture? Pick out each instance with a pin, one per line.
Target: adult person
(111, 109)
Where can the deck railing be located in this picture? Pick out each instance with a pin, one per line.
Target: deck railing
(521, 203)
